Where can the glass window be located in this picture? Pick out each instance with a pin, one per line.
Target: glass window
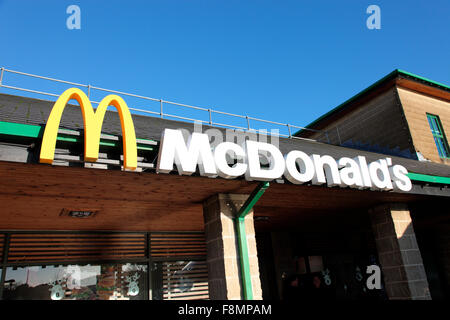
(76, 282)
(181, 280)
(315, 263)
(301, 265)
(438, 135)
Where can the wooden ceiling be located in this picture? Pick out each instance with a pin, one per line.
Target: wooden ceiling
(32, 197)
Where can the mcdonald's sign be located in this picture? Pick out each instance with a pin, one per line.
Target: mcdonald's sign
(93, 120)
(318, 169)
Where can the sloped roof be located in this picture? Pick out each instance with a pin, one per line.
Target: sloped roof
(397, 73)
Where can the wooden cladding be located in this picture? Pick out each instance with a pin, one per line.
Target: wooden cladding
(2, 245)
(415, 107)
(185, 280)
(177, 244)
(62, 247)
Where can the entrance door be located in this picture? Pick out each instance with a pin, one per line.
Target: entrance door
(333, 263)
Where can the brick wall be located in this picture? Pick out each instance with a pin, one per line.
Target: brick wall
(399, 254)
(222, 248)
(443, 238)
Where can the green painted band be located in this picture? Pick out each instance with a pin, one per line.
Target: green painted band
(242, 238)
(423, 78)
(252, 199)
(244, 260)
(34, 131)
(20, 130)
(428, 178)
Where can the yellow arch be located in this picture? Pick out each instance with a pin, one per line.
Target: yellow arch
(93, 121)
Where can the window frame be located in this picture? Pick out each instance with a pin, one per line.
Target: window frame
(439, 137)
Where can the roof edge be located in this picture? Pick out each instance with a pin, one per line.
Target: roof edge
(392, 75)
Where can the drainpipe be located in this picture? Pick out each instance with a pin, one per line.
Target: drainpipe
(242, 238)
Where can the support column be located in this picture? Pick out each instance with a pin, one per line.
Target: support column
(399, 254)
(219, 214)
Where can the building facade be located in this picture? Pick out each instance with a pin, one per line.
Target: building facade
(402, 114)
(185, 222)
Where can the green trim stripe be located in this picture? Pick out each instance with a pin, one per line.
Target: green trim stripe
(428, 178)
(252, 199)
(20, 130)
(244, 260)
(34, 131)
(423, 79)
(68, 138)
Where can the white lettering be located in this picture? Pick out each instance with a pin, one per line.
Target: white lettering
(276, 161)
(264, 162)
(305, 163)
(379, 174)
(400, 178)
(350, 173)
(326, 170)
(186, 157)
(362, 163)
(224, 170)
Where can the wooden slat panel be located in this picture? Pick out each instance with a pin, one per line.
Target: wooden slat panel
(177, 244)
(197, 269)
(71, 246)
(172, 235)
(182, 254)
(57, 259)
(172, 248)
(155, 247)
(2, 243)
(170, 252)
(73, 252)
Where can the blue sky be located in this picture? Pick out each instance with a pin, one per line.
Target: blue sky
(287, 61)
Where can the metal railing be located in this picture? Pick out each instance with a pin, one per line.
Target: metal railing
(210, 112)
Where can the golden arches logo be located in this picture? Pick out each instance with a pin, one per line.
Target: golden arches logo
(93, 121)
